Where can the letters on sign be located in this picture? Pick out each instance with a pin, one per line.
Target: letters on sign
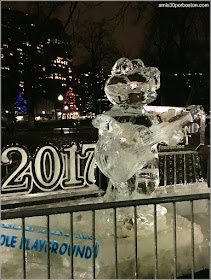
(49, 168)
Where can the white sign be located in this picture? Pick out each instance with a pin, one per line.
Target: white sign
(48, 168)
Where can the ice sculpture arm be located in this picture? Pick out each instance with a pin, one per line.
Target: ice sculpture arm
(101, 123)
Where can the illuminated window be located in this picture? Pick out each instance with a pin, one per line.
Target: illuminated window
(50, 77)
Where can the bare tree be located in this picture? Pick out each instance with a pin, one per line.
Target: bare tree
(97, 40)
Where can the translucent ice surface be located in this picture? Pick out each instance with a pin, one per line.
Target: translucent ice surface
(126, 152)
(125, 147)
(132, 82)
(36, 256)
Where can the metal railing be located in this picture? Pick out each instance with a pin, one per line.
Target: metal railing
(179, 167)
(61, 209)
(175, 168)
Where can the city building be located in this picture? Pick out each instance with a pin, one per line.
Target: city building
(36, 64)
(90, 85)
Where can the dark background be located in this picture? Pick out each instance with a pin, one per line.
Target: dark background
(176, 40)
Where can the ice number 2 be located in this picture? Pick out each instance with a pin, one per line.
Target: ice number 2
(19, 178)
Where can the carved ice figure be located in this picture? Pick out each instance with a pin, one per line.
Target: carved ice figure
(128, 134)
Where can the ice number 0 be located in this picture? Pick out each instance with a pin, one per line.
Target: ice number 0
(47, 168)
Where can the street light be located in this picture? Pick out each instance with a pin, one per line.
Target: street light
(60, 97)
(66, 108)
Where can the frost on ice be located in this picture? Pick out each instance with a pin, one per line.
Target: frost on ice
(60, 246)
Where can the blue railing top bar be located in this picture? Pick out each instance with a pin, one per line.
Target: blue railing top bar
(43, 210)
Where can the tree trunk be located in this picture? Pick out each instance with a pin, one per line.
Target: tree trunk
(30, 104)
(55, 113)
(31, 121)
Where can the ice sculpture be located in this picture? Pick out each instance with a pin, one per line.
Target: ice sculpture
(36, 252)
(128, 134)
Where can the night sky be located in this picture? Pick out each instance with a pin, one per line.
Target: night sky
(128, 35)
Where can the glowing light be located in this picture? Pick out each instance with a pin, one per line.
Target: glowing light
(161, 109)
(133, 85)
(43, 112)
(66, 107)
(19, 118)
(60, 97)
(21, 104)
